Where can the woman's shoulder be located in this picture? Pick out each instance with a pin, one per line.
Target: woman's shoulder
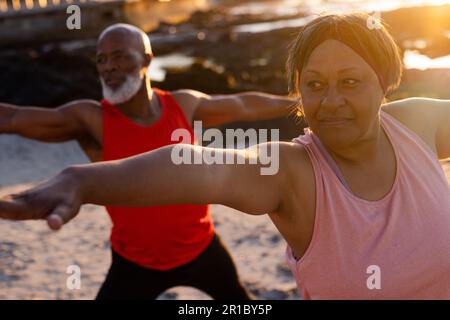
(294, 154)
(415, 111)
(300, 186)
(297, 164)
(417, 115)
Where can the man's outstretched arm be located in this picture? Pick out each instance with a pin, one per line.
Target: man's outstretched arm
(48, 125)
(150, 179)
(214, 110)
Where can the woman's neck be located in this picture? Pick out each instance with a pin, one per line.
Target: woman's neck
(366, 151)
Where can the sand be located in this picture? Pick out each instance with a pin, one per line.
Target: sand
(34, 260)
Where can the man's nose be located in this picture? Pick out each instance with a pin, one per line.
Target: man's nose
(109, 65)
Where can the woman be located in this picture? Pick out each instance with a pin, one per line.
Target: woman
(361, 198)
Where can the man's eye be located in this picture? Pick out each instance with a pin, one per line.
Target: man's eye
(100, 60)
(119, 57)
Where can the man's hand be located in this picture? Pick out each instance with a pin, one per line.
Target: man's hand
(58, 200)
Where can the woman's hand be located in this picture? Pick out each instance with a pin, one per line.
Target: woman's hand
(154, 179)
(57, 200)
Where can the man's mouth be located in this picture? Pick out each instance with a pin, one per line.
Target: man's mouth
(112, 82)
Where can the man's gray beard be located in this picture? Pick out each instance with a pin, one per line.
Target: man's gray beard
(125, 92)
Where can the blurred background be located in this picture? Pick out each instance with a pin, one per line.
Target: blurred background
(215, 46)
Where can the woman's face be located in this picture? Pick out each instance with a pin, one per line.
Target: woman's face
(341, 95)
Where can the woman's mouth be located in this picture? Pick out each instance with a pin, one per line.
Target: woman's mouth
(334, 121)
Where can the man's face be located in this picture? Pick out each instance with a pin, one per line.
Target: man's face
(341, 94)
(117, 58)
(120, 66)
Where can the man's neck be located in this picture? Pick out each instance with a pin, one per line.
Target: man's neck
(141, 106)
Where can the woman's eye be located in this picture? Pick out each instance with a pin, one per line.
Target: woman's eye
(314, 84)
(350, 81)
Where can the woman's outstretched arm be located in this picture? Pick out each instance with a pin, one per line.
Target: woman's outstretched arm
(155, 178)
(426, 116)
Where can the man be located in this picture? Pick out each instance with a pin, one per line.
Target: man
(153, 248)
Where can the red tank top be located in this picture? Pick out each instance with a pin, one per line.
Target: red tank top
(159, 237)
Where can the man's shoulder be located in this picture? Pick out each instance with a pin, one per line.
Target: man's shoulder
(188, 94)
(82, 106)
(86, 111)
(188, 100)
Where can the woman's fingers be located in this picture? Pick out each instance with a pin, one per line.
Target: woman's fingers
(14, 208)
(53, 201)
(62, 214)
(54, 221)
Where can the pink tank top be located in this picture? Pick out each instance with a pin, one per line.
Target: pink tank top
(397, 247)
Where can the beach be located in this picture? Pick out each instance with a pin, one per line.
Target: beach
(224, 50)
(34, 259)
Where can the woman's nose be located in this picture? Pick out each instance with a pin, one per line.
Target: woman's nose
(332, 98)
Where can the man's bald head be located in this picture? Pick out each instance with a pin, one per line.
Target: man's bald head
(132, 37)
(123, 58)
